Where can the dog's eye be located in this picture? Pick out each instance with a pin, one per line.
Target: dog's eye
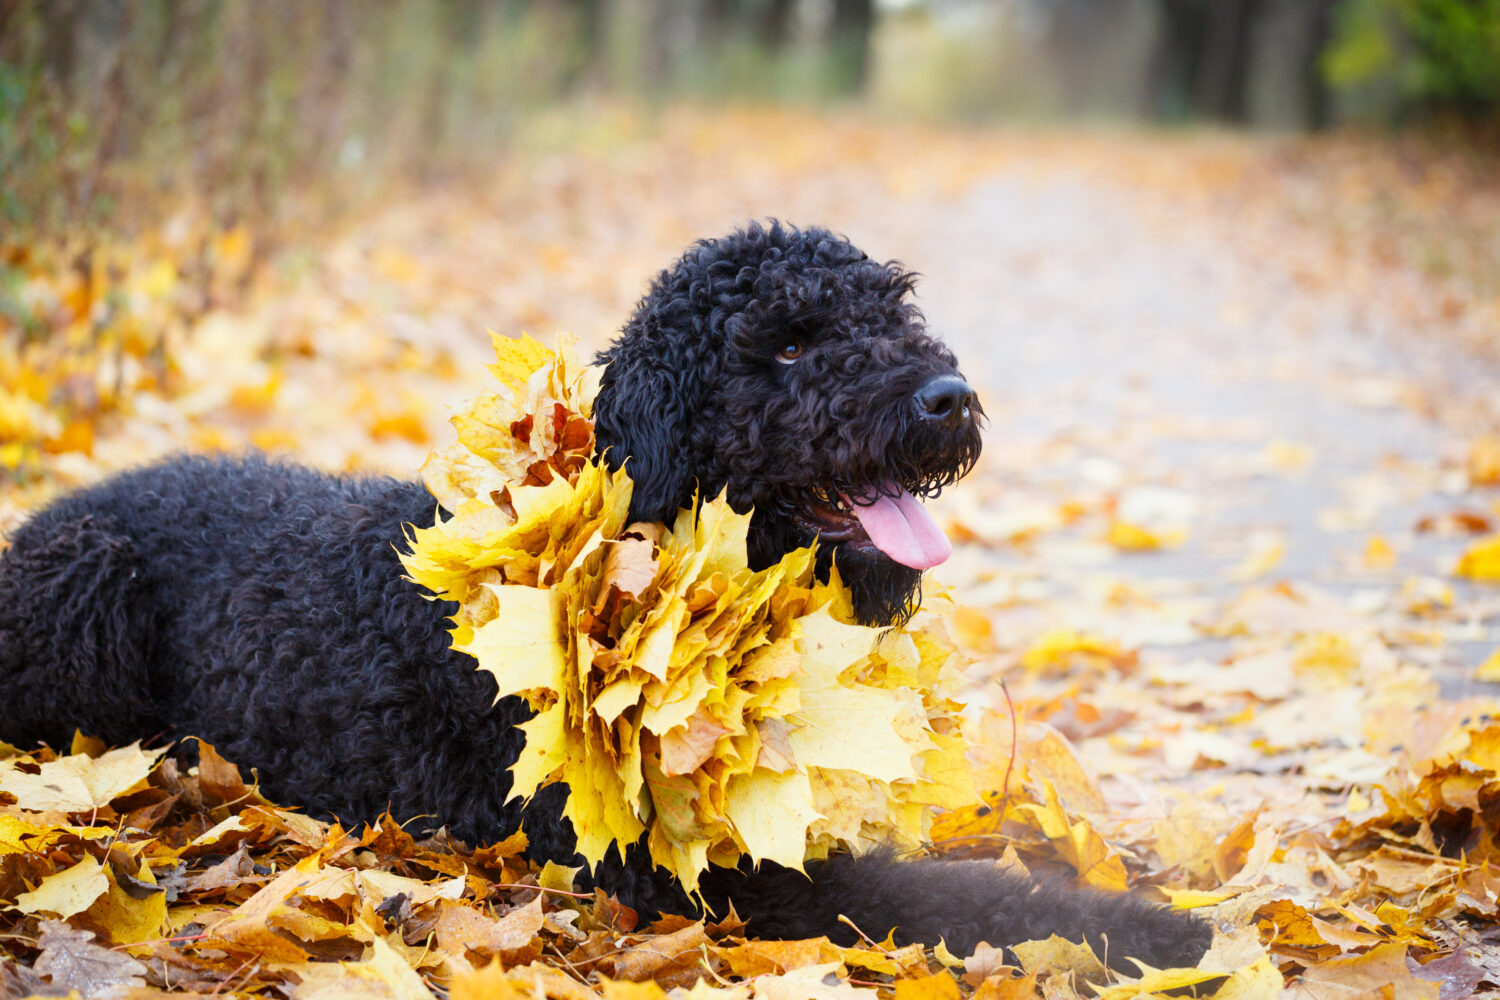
(789, 353)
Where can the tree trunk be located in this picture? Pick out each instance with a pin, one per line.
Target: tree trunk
(1201, 59)
(1316, 97)
(1224, 61)
(849, 42)
(775, 28)
(1171, 77)
(717, 22)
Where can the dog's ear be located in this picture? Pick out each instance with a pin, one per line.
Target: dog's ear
(643, 420)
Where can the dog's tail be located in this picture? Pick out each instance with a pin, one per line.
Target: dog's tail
(961, 902)
(75, 632)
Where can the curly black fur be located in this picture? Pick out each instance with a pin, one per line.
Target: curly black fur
(261, 606)
(697, 399)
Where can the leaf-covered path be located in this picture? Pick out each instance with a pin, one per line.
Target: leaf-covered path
(1236, 453)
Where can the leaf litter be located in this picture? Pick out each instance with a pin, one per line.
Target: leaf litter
(1305, 751)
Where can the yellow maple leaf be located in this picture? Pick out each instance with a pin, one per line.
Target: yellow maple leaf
(78, 782)
(939, 987)
(129, 919)
(771, 813)
(1481, 561)
(1061, 648)
(72, 890)
(18, 836)
(1060, 957)
(1327, 654)
(1489, 670)
(267, 925)
(516, 358)
(717, 710)
(1079, 844)
(1129, 537)
(756, 958)
(522, 637)
(1384, 968)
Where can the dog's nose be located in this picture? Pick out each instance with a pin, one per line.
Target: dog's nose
(946, 399)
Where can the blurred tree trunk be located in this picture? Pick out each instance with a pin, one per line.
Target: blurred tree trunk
(849, 33)
(324, 100)
(112, 112)
(60, 18)
(775, 28)
(8, 10)
(1200, 61)
(1224, 63)
(1171, 77)
(252, 47)
(589, 26)
(1317, 98)
(656, 53)
(718, 22)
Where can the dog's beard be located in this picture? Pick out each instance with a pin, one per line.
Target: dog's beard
(883, 591)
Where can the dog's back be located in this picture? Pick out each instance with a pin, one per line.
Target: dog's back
(258, 605)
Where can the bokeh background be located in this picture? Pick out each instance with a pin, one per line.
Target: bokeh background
(168, 165)
(1230, 267)
(1226, 274)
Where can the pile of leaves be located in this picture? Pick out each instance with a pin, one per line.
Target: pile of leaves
(719, 711)
(124, 874)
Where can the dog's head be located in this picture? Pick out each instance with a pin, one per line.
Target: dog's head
(789, 368)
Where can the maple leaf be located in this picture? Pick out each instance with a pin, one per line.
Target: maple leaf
(267, 924)
(71, 960)
(755, 958)
(812, 982)
(1079, 844)
(69, 891)
(461, 930)
(1060, 956)
(1059, 648)
(718, 711)
(78, 783)
(1481, 561)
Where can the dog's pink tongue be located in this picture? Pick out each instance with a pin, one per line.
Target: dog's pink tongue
(902, 529)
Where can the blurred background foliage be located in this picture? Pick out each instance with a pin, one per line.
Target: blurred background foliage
(159, 158)
(243, 106)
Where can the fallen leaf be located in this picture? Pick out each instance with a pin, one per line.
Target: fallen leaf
(1060, 957)
(79, 783)
(813, 982)
(70, 960)
(1481, 561)
(68, 892)
(1383, 969)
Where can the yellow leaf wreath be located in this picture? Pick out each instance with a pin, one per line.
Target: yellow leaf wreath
(718, 711)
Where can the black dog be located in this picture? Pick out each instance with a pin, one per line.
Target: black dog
(261, 606)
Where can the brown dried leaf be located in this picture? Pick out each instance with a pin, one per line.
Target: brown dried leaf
(671, 959)
(71, 960)
(461, 930)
